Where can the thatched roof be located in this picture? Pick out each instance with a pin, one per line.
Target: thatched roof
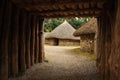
(88, 28)
(63, 31)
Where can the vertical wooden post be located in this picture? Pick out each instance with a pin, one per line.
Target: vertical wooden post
(104, 47)
(28, 36)
(14, 41)
(22, 62)
(4, 39)
(105, 42)
(2, 7)
(41, 40)
(32, 40)
(114, 59)
(36, 40)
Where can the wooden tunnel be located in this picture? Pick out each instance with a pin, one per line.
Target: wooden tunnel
(21, 32)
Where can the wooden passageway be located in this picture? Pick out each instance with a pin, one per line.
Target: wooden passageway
(21, 32)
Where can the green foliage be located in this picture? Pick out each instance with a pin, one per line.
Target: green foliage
(50, 24)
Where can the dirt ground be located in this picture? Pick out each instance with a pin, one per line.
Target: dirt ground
(62, 64)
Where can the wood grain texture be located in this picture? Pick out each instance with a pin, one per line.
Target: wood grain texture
(4, 39)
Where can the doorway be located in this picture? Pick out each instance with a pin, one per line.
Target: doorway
(56, 42)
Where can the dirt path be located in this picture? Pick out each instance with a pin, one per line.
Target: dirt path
(63, 65)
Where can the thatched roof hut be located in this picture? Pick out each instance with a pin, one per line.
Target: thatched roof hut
(87, 34)
(88, 28)
(63, 32)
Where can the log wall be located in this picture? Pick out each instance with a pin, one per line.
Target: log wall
(108, 47)
(19, 40)
(21, 32)
(115, 51)
(4, 37)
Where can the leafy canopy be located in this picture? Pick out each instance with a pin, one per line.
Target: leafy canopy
(52, 23)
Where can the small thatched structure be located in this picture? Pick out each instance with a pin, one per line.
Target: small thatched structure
(87, 34)
(62, 35)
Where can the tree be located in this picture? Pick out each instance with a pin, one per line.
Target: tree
(50, 24)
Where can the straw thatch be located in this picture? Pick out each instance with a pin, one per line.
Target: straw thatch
(88, 28)
(63, 31)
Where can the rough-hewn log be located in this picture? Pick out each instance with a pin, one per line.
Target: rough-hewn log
(41, 40)
(32, 40)
(115, 53)
(68, 11)
(68, 16)
(14, 41)
(50, 3)
(108, 44)
(36, 40)
(2, 6)
(28, 36)
(22, 24)
(104, 50)
(4, 39)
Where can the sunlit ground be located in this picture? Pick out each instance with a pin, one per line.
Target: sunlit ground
(64, 63)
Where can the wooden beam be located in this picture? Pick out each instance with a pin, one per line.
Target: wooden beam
(36, 40)
(70, 15)
(28, 36)
(2, 6)
(22, 64)
(14, 41)
(56, 3)
(41, 40)
(32, 40)
(4, 39)
(67, 11)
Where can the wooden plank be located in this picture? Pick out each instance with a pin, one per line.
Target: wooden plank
(4, 39)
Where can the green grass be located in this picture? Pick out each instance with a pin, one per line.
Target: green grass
(79, 52)
(46, 60)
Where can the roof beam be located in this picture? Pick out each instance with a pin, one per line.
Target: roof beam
(56, 3)
(66, 11)
(69, 15)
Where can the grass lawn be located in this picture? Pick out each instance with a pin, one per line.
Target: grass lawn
(78, 52)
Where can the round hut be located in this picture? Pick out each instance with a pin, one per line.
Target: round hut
(87, 34)
(62, 35)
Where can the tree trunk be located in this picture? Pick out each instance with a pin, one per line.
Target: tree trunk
(4, 39)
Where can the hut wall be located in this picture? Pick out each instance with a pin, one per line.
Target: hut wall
(49, 41)
(67, 42)
(87, 43)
